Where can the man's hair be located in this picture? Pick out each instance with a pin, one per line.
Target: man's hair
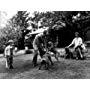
(77, 33)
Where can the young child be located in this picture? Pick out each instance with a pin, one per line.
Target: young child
(9, 54)
(52, 49)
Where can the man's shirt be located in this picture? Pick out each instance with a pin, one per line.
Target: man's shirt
(38, 39)
(77, 42)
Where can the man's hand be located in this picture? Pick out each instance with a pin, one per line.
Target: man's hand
(67, 47)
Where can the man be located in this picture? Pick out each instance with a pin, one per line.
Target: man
(78, 44)
(40, 46)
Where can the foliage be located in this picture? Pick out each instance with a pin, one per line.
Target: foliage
(61, 23)
(9, 32)
(21, 20)
(66, 23)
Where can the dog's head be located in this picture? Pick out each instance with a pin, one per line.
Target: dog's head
(67, 50)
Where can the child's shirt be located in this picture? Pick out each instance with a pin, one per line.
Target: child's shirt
(8, 51)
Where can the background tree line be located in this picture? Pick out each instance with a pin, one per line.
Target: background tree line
(61, 23)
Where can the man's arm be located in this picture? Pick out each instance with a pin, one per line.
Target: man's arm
(71, 43)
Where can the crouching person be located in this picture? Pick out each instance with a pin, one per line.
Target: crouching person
(39, 46)
(9, 54)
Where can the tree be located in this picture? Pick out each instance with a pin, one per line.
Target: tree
(21, 20)
(7, 33)
(68, 22)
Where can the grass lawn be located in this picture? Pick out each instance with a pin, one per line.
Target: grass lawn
(64, 69)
